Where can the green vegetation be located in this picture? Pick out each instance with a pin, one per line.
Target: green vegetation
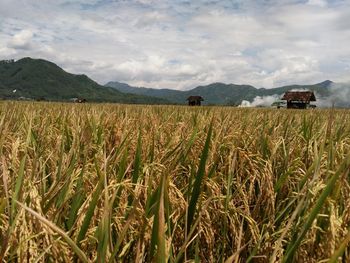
(38, 79)
(219, 93)
(122, 183)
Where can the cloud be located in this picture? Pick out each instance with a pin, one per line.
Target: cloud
(321, 3)
(21, 40)
(182, 44)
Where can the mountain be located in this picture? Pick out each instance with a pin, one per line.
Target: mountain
(176, 96)
(41, 79)
(220, 93)
(216, 93)
(322, 89)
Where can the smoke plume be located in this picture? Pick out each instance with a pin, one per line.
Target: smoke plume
(260, 101)
(336, 94)
(339, 96)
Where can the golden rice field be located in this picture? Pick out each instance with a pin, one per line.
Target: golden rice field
(119, 183)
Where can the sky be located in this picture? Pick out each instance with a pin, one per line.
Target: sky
(182, 44)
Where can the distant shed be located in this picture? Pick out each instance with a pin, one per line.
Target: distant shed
(194, 100)
(299, 99)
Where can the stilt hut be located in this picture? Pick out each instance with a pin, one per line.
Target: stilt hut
(299, 99)
(194, 100)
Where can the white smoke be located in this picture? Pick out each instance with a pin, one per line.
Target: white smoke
(302, 90)
(260, 101)
(339, 97)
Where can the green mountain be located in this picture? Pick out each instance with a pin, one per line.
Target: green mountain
(323, 89)
(175, 96)
(220, 93)
(216, 93)
(41, 79)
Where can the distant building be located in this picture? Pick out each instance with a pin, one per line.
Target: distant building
(299, 99)
(194, 100)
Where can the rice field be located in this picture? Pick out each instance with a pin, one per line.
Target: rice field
(123, 183)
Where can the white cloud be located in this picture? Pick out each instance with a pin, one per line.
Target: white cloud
(21, 40)
(321, 3)
(182, 44)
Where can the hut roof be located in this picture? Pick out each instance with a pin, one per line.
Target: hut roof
(299, 96)
(195, 98)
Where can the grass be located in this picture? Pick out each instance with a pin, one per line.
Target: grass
(119, 183)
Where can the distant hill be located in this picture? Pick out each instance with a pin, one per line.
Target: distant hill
(41, 79)
(175, 95)
(220, 93)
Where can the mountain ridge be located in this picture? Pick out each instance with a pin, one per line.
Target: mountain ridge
(220, 93)
(41, 79)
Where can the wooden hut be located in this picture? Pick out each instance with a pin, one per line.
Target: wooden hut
(299, 99)
(194, 100)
